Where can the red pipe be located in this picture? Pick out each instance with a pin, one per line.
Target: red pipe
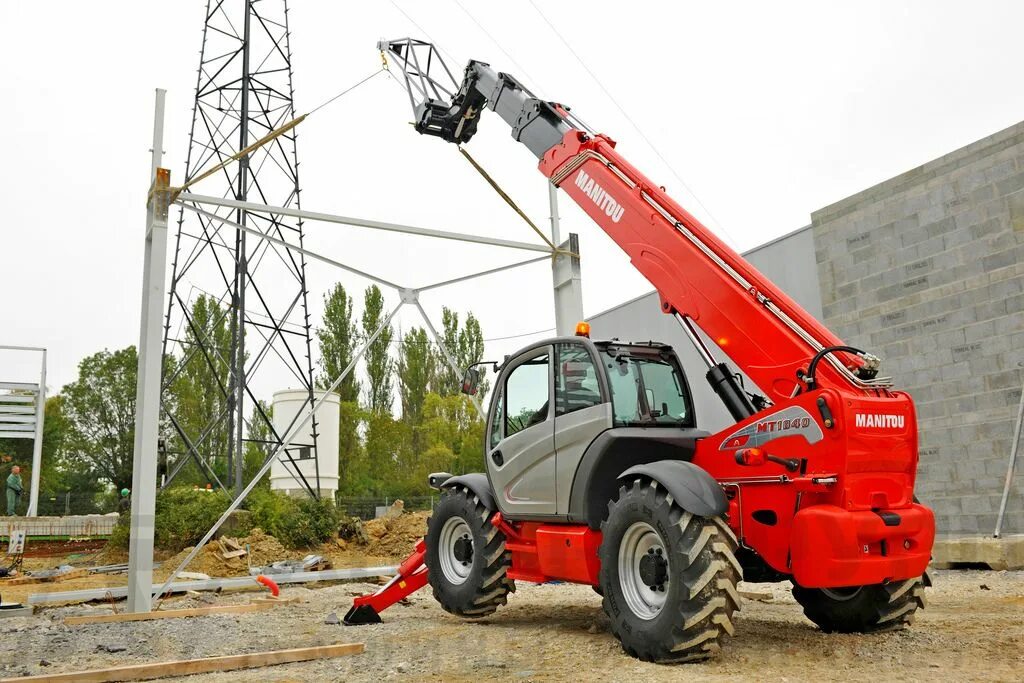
(269, 583)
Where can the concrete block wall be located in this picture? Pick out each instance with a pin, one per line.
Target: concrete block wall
(927, 270)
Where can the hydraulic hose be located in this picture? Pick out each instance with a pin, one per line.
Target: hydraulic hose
(813, 367)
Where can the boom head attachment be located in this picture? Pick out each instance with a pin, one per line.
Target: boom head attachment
(450, 110)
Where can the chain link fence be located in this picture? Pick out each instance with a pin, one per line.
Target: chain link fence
(366, 508)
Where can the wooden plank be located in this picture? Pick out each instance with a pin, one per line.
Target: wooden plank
(271, 600)
(188, 667)
(233, 553)
(169, 614)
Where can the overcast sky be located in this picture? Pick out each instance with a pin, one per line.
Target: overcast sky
(767, 111)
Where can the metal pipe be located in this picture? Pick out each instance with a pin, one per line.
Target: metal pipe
(1010, 467)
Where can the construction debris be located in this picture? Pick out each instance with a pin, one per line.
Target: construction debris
(211, 584)
(310, 563)
(395, 536)
(56, 575)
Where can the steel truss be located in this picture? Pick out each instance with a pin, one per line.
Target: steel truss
(256, 275)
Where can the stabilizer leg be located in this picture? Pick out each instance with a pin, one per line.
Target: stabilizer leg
(411, 576)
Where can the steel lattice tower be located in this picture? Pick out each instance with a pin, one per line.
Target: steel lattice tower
(243, 91)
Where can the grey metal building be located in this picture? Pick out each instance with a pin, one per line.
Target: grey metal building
(926, 270)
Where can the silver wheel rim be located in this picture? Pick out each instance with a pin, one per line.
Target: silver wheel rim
(455, 570)
(640, 540)
(842, 594)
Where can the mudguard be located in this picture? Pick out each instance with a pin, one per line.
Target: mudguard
(693, 489)
(478, 484)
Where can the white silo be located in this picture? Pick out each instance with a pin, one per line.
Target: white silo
(288, 404)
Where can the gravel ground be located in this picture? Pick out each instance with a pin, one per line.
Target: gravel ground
(973, 629)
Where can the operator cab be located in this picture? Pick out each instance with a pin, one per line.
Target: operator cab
(553, 400)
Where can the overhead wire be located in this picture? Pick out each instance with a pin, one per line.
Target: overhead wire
(633, 123)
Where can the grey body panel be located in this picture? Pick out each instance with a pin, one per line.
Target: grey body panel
(478, 484)
(693, 488)
(574, 433)
(567, 468)
(613, 451)
(524, 482)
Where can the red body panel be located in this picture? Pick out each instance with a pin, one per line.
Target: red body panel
(547, 552)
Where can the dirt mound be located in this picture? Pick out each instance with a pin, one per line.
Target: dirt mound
(395, 536)
(263, 550)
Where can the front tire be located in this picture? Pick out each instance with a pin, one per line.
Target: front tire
(466, 558)
(863, 609)
(668, 577)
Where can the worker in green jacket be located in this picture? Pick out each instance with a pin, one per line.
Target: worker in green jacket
(14, 489)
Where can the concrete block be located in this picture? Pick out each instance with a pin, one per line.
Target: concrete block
(999, 554)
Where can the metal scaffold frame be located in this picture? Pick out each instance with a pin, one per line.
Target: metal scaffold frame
(243, 93)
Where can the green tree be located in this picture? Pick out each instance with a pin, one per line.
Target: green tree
(338, 338)
(100, 411)
(379, 364)
(258, 446)
(452, 435)
(354, 477)
(416, 371)
(197, 390)
(388, 454)
(466, 346)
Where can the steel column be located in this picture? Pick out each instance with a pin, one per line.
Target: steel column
(147, 398)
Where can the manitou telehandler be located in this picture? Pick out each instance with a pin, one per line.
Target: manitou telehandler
(597, 471)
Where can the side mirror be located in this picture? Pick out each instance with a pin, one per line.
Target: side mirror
(470, 381)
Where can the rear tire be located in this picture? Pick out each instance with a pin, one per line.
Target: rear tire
(668, 577)
(863, 609)
(466, 558)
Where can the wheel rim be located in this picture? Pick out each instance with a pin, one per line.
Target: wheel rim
(643, 570)
(842, 594)
(455, 550)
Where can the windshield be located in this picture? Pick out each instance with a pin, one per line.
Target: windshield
(646, 390)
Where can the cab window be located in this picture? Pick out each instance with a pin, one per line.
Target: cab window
(576, 383)
(526, 394)
(647, 390)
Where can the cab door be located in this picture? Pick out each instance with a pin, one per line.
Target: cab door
(583, 410)
(520, 436)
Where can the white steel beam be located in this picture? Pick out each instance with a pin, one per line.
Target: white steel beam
(292, 247)
(491, 271)
(360, 222)
(147, 398)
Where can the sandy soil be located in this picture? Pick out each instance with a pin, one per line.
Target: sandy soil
(973, 629)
